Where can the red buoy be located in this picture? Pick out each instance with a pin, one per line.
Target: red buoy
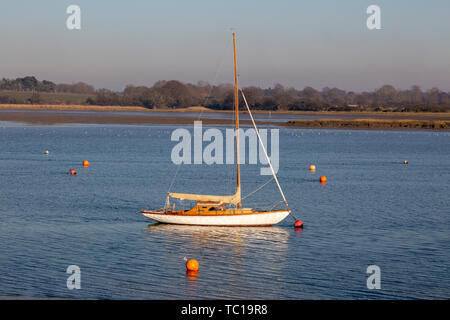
(192, 265)
(73, 172)
(298, 224)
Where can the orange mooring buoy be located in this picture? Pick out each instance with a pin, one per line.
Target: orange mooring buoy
(312, 168)
(192, 265)
(85, 163)
(323, 179)
(73, 172)
(298, 224)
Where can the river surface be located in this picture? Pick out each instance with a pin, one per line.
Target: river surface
(374, 210)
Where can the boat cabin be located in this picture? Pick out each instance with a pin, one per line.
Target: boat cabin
(210, 208)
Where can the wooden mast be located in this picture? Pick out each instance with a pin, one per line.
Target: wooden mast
(236, 108)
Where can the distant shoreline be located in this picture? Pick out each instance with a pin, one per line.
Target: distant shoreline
(95, 115)
(199, 109)
(372, 124)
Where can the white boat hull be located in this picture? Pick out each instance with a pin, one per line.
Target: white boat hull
(255, 219)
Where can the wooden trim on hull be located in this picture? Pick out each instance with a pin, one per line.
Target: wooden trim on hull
(235, 220)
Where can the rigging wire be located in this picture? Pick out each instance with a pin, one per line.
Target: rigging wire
(174, 177)
(257, 189)
(276, 204)
(264, 149)
(265, 152)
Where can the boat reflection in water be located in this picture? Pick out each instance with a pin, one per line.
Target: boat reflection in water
(203, 237)
(234, 255)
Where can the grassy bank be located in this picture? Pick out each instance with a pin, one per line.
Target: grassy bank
(54, 98)
(67, 107)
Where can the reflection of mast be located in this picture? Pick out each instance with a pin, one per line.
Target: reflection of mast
(236, 108)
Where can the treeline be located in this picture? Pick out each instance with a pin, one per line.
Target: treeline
(30, 83)
(175, 94)
(163, 94)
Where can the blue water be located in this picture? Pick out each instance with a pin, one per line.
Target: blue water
(374, 210)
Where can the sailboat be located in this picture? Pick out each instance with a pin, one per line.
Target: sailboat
(215, 210)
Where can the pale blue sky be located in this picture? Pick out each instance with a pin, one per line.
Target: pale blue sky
(296, 43)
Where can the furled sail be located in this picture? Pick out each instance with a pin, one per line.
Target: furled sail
(232, 199)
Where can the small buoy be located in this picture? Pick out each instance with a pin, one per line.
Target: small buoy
(73, 172)
(298, 224)
(85, 163)
(323, 179)
(405, 162)
(46, 152)
(192, 265)
(312, 168)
